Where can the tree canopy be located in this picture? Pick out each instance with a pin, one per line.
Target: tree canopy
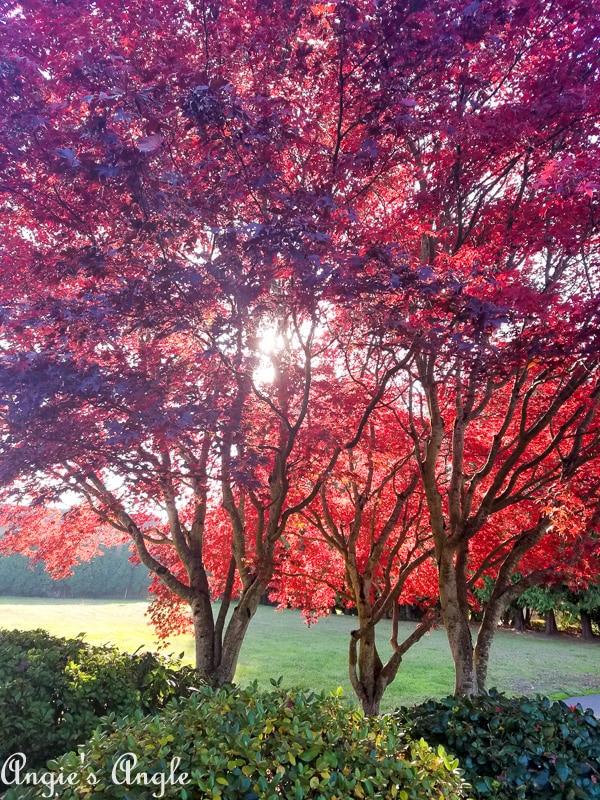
(281, 281)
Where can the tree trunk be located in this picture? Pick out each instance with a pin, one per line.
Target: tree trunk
(204, 638)
(518, 619)
(587, 631)
(217, 653)
(461, 644)
(551, 626)
(489, 625)
(365, 665)
(236, 631)
(455, 615)
(365, 672)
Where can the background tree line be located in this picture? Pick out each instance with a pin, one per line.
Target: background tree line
(109, 575)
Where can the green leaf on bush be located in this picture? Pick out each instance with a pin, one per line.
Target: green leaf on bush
(310, 754)
(562, 770)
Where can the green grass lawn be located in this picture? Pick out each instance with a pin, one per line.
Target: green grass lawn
(280, 644)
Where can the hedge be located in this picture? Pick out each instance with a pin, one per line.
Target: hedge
(514, 748)
(54, 691)
(249, 744)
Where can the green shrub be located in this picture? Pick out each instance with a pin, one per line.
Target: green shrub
(514, 748)
(249, 744)
(53, 691)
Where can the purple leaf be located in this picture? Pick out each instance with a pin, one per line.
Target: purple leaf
(150, 143)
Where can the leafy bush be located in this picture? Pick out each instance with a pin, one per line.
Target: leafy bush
(53, 691)
(248, 744)
(514, 748)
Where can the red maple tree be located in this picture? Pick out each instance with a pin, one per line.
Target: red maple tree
(170, 236)
(359, 544)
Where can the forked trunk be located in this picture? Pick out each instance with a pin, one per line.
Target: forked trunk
(216, 659)
(368, 675)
